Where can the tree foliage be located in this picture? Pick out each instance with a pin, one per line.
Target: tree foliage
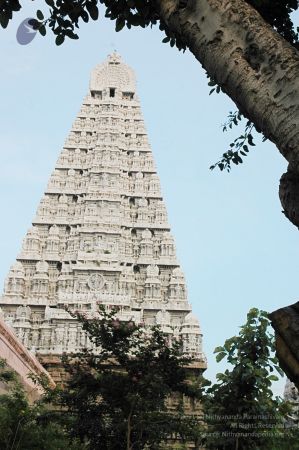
(65, 16)
(239, 148)
(25, 426)
(240, 410)
(129, 392)
(118, 393)
(278, 14)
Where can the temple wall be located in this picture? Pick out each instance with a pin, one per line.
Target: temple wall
(21, 361)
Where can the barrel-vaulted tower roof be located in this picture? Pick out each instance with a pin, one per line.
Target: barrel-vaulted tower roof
(113, 73)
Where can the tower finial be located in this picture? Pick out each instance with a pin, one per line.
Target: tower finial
(114, 58)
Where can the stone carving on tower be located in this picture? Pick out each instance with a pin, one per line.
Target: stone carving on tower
(101, 233)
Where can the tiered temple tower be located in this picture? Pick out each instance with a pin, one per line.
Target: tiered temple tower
(101, 233)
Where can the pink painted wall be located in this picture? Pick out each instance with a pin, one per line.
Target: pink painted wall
(21, 360)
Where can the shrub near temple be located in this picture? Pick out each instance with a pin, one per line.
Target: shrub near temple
(240, 409)
(118, 394)
(25, 426)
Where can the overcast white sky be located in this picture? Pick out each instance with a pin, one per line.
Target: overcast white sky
(235, 246)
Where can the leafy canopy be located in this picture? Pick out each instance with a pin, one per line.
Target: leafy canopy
(25, 426)
(240, 409)
(128, 391)
(64, 16)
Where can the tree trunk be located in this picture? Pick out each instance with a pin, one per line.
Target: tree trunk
(254, 65)
(129, 431)
(286, 323)
(259, 70)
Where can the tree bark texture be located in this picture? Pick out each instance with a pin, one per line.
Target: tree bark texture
(259, 70)
(285, 321)
(254, 65)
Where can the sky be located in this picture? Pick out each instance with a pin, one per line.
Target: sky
(235, 246)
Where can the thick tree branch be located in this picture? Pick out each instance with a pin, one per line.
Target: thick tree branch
(253, 64)
(285, 321)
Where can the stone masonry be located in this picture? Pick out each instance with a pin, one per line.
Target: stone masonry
(101, 233)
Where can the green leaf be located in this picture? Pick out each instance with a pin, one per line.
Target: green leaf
(84, 16)
(218, 349)
(220, 377)
(39, 15)
(34, 23)
(273, 378)
(15, 5)
(220, 356)
(250, 140)
(280, 371)
(71, 34)
(166, 39)
(42, 30)
(4, 19)
(120, 23)
(93, 11)
(59, 39)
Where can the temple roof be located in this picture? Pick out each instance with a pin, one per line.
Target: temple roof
(113, 73)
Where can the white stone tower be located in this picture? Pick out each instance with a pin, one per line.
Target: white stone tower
(101, 233)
